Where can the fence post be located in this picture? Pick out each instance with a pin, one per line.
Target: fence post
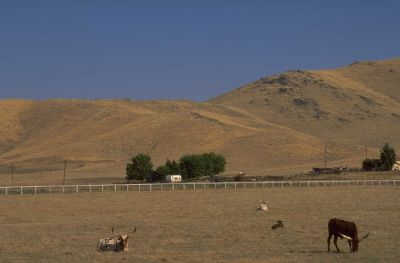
(49, 189)
(235, 185)
(90, 188)
(139, 187)
(63, 189)
(225, 185)
(35, 189)
(77, 188)
(184, 186)
(115, 187)
(173, 187)
(65, 168)
(194, 186)
(150, 187)
(308, 183)
(21, 190)
(6, 190)
(127, 187)
(215, 186)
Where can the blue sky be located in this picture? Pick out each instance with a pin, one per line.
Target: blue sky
(181, 49)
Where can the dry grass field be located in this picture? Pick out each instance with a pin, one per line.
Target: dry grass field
(200, 226)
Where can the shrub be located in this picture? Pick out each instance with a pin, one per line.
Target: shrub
(372, 164)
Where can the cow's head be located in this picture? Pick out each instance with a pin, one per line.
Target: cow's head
(123, 239)
(354, 241)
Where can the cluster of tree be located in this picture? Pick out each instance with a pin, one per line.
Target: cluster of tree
(386, 161)
(191, 167)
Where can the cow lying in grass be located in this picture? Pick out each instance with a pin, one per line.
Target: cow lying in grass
(344, 229)
(278, 224)
(262, 206)
(116, 243)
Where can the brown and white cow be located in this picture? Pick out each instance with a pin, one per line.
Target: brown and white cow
(116, 243)
(344, 229)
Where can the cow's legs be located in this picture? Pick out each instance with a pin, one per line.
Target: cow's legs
(335, 242)
(329, 242)
(350, 243)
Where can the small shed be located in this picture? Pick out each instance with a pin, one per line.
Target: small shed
(173, 178)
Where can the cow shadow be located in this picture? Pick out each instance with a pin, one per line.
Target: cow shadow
(314, 252)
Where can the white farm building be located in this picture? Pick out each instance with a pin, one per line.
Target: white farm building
(173, 178)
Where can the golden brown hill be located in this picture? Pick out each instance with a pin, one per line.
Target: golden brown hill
(276, 122)
(354, 105)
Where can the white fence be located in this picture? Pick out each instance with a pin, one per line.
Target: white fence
(63, 189)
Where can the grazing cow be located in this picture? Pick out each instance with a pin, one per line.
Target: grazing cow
(116, 243)
(344, 229)
(278, 223)
(262, 206)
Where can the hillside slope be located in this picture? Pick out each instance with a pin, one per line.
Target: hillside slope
(357, 104)
(276, 122)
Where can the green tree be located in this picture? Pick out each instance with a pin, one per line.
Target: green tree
(388, 156)
(216, 163)
(191, 166)
(163, 169)
(170, 167)
(173, 167)
(197, 165)
(140, 168)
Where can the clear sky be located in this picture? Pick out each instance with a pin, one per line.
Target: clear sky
(181, 49)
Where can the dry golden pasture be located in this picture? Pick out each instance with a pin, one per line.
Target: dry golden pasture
(201, 225)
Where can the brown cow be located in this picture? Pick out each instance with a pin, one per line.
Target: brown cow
(344, 229)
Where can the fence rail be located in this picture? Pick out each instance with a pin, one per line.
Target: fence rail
(64, 189)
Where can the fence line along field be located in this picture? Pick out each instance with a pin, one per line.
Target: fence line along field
(201, 226)
(150, 187)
